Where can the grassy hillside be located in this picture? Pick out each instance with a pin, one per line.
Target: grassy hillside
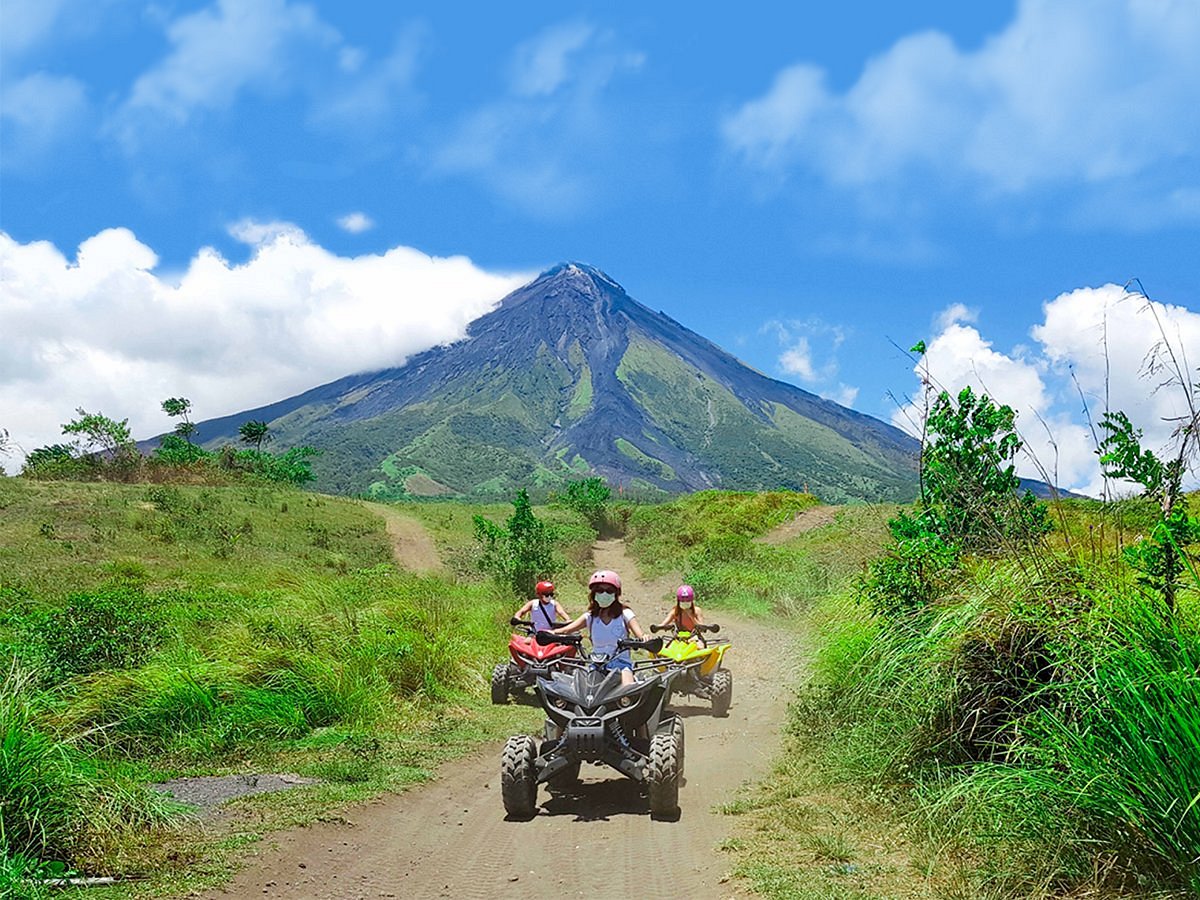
(152, 631)
(776, 448)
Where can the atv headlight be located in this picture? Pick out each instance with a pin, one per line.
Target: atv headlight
(626, 701)
(560, 702)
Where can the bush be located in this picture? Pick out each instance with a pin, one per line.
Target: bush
(112, 628)
(913, 572)
(519, 554)
(177, 451)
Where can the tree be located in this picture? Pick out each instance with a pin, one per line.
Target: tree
(520, 553)
(180, 407)
(256, 433)
(108, 436)
(968, 476)
(1162, 556)
(588, 497)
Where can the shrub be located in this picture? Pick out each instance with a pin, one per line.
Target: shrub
(913, 572)
(520, 553)
(176, 450)
(112, 628)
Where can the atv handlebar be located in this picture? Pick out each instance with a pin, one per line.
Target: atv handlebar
(654, 645)
(699, 629)
(549, 637)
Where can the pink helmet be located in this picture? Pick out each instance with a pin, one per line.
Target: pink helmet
(685, 592)
(604, 576)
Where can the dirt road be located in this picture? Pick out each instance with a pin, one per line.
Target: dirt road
(411, 544)
(805, 520)
(450, 838)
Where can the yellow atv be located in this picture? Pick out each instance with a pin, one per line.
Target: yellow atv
(699, 662)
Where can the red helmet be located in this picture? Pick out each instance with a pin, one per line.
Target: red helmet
(604, 576)
(685, 592)
(545, 588)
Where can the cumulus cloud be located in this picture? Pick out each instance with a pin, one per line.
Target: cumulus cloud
(1102, 343)
(816, 367)
(105, 331)
(954, 314)
(542, 144)
(1066, 93)
(356, 222)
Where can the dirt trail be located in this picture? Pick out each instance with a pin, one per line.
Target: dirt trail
(411, 543)
(805, 520)
(450, 838)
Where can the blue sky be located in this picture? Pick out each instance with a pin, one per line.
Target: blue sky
(322, 186)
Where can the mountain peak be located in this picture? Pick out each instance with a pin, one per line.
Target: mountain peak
(570, 375)
(577, 275)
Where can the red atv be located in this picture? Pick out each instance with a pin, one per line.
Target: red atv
(530, 661)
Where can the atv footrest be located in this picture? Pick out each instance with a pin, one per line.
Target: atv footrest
(584, 738)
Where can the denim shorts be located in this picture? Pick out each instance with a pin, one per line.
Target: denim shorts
(619, 662)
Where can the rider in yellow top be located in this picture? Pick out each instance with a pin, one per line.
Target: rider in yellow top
(685, 615)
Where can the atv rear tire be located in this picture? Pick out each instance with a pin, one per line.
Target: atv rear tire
(565, 780)
(518, 777)
(662, 775)
(677, 730)
(500, 684)
(722, 692)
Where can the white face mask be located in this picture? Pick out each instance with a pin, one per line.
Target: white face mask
(604, 598)
(685, 604)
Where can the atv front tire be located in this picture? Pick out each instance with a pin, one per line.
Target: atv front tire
(662, 775)
(722, 692)
(518, 777)
(677, 730)
(500, 684)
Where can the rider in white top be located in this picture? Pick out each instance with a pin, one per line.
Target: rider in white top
(544, 610)
(605, 635)
(608, 620)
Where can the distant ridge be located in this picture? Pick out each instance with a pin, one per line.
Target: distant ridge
(567, 376)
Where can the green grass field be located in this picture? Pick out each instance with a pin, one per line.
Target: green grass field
(1033, 733)
(153, 631)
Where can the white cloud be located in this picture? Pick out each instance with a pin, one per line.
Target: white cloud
(1066, 93)
(356, 222)
(539, 65)
(367, 98)
(797, 360)
(36, 113)
(953, 314)
(29, 22)
(217, 53)
(544, 144)
(817, 368)
(105, 331)
(1102, 342)
(843, 394)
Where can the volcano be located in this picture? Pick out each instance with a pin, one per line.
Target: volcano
(570, 376)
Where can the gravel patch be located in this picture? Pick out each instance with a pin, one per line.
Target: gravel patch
(210, 791)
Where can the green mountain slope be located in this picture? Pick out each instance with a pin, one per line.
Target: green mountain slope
(569, 375)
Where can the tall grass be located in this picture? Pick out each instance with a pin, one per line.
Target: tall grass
(663, 535)
(55, 801)
(1053, 739)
